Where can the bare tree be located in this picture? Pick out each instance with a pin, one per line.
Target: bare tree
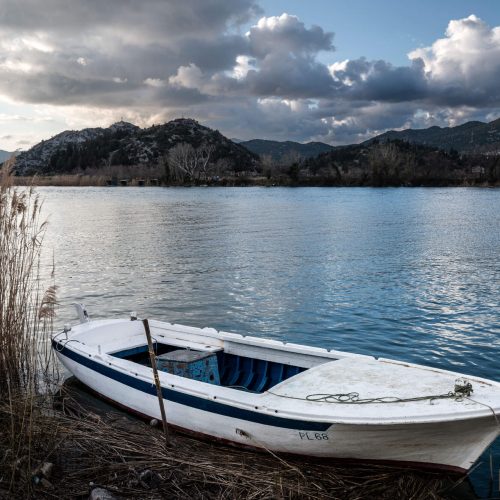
(190, 162)
(385, 161)
(204, 152)
(180, 158)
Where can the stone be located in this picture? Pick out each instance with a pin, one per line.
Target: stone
(46, 469)
(101, 494)
(149, 479)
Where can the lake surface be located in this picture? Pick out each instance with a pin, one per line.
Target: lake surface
(412, 274)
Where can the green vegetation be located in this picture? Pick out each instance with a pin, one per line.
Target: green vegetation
(183, 152)
(400, 163)
(124, 144)
(390, 163)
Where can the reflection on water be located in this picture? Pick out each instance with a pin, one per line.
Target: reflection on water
(412, 274)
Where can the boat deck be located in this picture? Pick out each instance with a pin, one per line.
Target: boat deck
(235, 371)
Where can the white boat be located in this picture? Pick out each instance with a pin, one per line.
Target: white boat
(285, 397)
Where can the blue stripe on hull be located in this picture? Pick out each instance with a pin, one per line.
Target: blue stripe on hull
(189, 400)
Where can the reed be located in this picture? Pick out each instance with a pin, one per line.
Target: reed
(97, 176)
(26, 312)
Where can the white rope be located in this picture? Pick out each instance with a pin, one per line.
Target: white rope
(463, 389)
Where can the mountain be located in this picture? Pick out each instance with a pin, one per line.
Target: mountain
(281, 150)
(471, 137)
(126, 144)
(4, 155)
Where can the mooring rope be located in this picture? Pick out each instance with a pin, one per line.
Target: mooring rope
(463, 389)
(495, 416)
(60, 345)
(353, 398)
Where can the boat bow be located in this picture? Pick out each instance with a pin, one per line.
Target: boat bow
(383, 391)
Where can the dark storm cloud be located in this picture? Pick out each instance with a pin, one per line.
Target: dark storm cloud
(381, 81)
(213, 55)
(146, 19)
(102, 53)
(289, 78)
(61, 90)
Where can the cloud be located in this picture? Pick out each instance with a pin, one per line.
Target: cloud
(464, 67)
(145, 22)
(70, 52)
(11, 117)
(189, 77)
(286, 34)
(94, 62)
(153, 82)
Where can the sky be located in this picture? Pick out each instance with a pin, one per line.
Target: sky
(324, 70)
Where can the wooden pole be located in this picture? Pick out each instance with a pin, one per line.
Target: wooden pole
(152, 356)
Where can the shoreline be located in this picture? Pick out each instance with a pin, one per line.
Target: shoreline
(78, 180)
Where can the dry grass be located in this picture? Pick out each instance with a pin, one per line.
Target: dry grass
(130, 458)
(26, 313)
(96, 176)
(62, 180)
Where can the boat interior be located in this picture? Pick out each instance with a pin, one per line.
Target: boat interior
(214, 366)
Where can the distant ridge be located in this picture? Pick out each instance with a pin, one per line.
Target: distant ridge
(125, 144)
(279, 150)
(4, 155)
(471, 137)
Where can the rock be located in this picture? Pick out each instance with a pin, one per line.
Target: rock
(154, 422)
(42, 473)
(46, 469)
(101, 494)
(149, 479)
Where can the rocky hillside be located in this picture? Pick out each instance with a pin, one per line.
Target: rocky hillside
(125, 144)
(281, 151)
(471, 137)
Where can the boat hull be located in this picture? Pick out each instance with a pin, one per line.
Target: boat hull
(452, 446)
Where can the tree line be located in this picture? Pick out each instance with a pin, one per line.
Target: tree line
(388, 163)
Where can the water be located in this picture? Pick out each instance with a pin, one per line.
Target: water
(412, 274)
